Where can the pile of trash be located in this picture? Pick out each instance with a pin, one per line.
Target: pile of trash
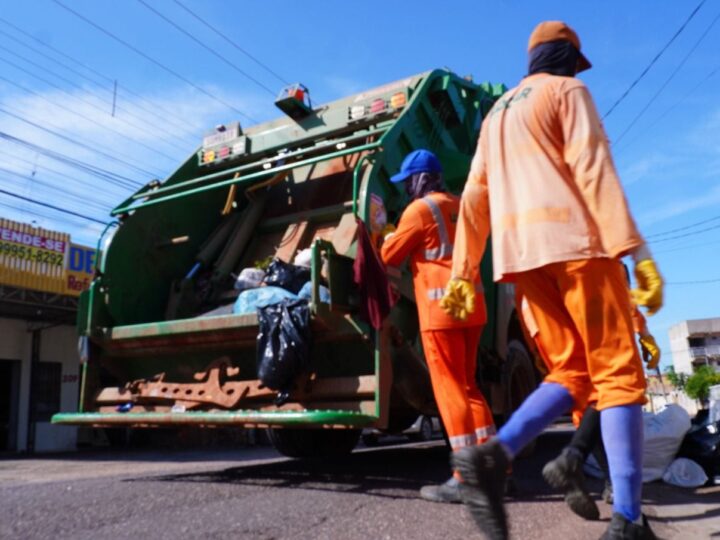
(280, 296)
(677, 450)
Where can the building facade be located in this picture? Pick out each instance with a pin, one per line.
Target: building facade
(695, 343)
(41, 276)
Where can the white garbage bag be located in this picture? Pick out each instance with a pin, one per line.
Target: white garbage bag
(686, 473)
(664, 433)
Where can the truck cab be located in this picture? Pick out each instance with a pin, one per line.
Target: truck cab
(160, 344)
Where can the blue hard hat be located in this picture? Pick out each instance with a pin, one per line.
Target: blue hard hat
(417, 161)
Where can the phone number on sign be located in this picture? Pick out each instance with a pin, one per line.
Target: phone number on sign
(31, 254)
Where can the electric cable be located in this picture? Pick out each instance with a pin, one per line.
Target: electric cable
(667, 81)
(652, 62)
(76, 142)
(209, 49)
(686, 227)
(53, 207)
(152, 60)
(88, 118)
(109, 100)
(166, 112)
(115, 178)
(231, 42)
(678, 236)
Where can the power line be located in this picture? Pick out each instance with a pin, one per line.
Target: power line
(698, 282)
(52, 207)
(657, 57)
(150, 59)
(78, 143)
(115, 178)
(686, 227)
(682, 248)
(96, 94)
(167, 112)
(670, 109)
(209, 49)
(667, 81)
(85, 117)
(231, 42)
(98, 108)
(678, 236)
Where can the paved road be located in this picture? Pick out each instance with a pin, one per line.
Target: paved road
(255, 494)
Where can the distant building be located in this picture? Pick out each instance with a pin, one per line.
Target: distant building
(41, 276)
(695, 343)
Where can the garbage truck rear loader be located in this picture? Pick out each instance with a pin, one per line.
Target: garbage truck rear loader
(160, 343)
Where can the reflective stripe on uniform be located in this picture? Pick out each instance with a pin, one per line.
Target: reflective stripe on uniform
(461, 441)
(446, 248)
(438, 292)
(484, 433)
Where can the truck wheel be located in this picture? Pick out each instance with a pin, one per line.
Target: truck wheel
(313, 443)
(519, 381)
(425, 432)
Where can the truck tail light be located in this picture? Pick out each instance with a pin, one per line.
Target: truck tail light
(398, 100)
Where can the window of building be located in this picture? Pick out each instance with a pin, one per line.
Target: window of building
(696, 342)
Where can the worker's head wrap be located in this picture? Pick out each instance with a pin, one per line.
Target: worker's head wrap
(420, 184)
(555, 57)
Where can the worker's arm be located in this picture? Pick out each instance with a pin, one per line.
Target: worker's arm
(587, 154)
(406, 238)
(473, 224)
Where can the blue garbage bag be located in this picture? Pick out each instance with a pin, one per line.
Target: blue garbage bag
(250, 300)
(306, 292)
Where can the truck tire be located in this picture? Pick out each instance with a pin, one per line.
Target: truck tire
(313, 443)
(519, 380)
(425, 433)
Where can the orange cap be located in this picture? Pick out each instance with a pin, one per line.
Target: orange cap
(555, 31)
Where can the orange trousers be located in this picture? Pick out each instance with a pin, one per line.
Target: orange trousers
(585, 331)
(452, 357)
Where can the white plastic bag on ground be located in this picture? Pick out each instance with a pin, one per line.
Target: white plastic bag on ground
(664, 433)
(686, 473)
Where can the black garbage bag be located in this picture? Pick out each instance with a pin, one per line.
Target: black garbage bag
(286, 275)
(702, 445)
(283, 344)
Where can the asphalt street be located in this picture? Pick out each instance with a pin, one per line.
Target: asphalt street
(256, 494)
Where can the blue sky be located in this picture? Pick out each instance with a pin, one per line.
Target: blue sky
(669, 161)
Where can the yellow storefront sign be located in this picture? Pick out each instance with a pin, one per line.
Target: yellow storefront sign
(43, 260)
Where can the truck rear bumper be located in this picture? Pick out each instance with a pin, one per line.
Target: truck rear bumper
(248, 418)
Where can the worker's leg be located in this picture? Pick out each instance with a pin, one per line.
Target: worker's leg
(445, 355)
(481, 413)
(597, 298)
(564, 353)
(587, 434)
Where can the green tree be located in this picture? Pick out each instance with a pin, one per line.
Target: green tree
(678, 380)
(698, 384)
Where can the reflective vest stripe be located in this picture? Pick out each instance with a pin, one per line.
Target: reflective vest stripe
(485, 433)
(446, 248)
(461, 441)
(438, 292)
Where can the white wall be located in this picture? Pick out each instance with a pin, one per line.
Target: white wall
(57, 344)
(680, 348)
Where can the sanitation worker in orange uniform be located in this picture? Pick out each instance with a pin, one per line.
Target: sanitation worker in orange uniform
(424, 234)
(543, 180)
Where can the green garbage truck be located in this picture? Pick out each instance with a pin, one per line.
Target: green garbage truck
(161, 344)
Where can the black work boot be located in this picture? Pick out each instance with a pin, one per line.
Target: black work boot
(565, 472)
(483, 469)
(449, 492)
(622, 529)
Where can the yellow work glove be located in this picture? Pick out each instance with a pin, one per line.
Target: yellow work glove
(459, 298)
(650, 351)
(650, 286)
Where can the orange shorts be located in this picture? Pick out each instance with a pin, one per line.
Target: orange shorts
(585, 332)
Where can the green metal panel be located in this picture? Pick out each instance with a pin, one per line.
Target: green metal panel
(310, 418)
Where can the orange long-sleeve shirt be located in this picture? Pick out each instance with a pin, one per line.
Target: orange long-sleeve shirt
(543, 173)
(418, 238)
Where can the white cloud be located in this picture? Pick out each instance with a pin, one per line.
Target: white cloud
(157, 145)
